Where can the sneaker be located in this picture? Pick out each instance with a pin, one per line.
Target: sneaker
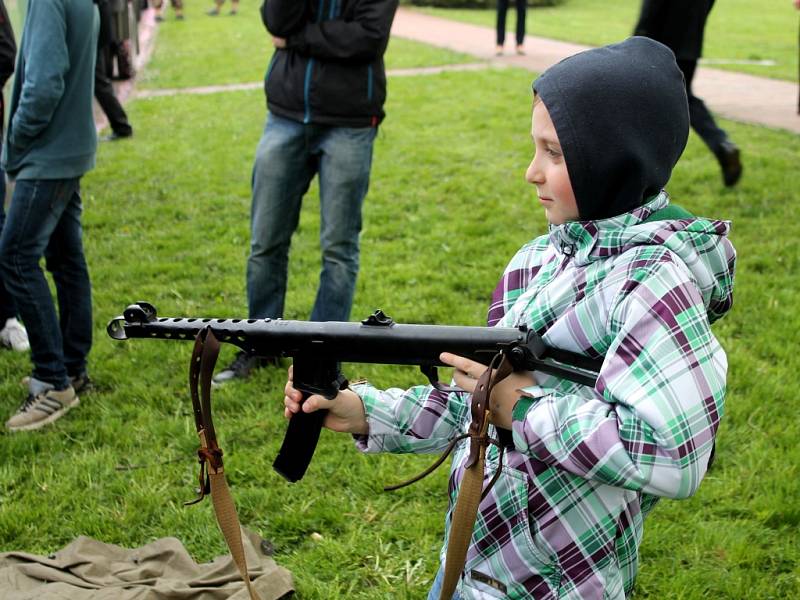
(242, 366)
(730, 162)
(37, 411)
(14, 336)
(213, 12)
(115, 136)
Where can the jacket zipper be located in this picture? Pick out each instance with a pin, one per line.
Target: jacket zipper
(306, 90)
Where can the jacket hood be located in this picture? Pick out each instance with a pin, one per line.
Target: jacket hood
(622, 119)
(701, 244)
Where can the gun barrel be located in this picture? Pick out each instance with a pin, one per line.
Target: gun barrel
(344, 341)
(375, 340)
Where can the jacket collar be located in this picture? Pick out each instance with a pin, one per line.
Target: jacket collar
(578, 239)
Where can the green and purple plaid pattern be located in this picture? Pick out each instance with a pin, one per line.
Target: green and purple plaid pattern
(565, 517)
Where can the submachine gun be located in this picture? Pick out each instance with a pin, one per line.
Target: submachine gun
(317, 349)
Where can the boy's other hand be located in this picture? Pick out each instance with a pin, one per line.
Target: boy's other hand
(279, 42)
(345, 412)
(504, 395)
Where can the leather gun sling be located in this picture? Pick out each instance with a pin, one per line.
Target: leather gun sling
(212, 474)
(471, 491)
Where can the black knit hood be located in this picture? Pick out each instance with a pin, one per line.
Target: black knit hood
(622, 119)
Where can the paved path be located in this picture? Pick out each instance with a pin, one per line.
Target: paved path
(737, 96)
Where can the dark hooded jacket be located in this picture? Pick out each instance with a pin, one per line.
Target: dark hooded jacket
(331, 71)
(621, 133)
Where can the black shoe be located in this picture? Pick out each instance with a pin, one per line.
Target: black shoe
(115, 136)
(242, 366)
(728, 157)
(81, 383)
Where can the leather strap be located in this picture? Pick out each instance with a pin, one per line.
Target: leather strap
(212, 473)
(471, 491)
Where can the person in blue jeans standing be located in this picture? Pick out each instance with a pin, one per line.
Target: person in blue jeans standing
(50, 144)
(325, 87)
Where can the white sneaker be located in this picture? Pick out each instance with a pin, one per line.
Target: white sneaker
(14, 336)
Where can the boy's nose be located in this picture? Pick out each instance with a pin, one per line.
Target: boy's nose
(533, 175)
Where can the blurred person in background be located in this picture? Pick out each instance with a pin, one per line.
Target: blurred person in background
(502, 8)
(680, 25)
(177, 6)
(103, 88)
(218, 8)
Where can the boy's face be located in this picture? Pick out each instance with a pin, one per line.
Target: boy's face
(548, 170)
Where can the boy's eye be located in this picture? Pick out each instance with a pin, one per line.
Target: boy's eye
(553, 153)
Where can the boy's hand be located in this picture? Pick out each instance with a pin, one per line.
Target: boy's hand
(345, 412)
(504, 395)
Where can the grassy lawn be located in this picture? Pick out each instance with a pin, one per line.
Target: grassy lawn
(736, 29)
(167, 220)
(230, 43)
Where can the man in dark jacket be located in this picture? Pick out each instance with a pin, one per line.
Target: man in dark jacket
(680, 24)
(325, 86)
(103, 88)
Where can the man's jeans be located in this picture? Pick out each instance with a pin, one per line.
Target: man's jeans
(44, 219)
(288, 156)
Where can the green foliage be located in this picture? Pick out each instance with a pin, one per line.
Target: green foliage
(167, 220)
(737, 30)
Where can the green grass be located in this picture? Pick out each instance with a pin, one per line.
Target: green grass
(167, 220)
(736, 29)
(237, 50)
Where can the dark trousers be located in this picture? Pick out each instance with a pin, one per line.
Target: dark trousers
(8, 308)
(104, 92)
(502, 8)
(699, 116)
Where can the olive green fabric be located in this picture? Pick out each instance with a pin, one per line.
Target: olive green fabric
(87, 569)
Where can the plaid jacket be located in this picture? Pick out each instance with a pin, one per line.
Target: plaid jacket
(565, 518)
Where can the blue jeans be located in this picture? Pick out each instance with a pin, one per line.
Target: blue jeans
(288, 156)
(436, 588)
(44, 219)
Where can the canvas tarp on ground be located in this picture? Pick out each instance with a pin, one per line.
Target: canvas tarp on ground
(87, 569)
